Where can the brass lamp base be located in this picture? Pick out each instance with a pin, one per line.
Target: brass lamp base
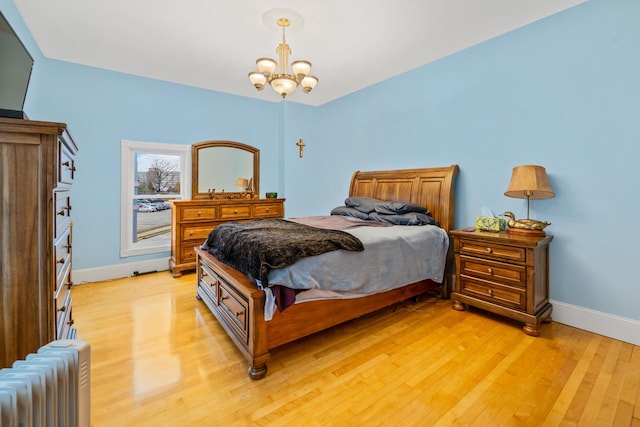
(526, 232)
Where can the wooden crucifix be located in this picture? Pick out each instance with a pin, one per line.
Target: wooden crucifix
(301, 146)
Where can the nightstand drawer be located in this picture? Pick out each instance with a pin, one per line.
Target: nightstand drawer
(505, 296)
(492, 250)
(509, 274)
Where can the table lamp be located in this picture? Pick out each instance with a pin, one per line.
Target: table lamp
(243, 182)
(528, 182)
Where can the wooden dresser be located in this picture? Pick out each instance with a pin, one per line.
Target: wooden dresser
(193, 220)
(504, 273)
(37, 169)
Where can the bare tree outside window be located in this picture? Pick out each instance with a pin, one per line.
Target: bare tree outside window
(161, 177)
(158, 182)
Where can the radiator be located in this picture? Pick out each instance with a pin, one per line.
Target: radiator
(50, 388)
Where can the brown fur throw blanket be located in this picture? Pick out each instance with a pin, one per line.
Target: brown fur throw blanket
(257, 246)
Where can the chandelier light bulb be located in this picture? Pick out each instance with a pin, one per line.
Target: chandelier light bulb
(308, 83)
(258, 80)
(301, 68)
(266, 65)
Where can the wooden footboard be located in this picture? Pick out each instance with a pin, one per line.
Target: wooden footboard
(238, 304)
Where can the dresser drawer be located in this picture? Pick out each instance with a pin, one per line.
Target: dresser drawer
(268, 211)
(197, 232)
(187, 253)
(66, 164)
(62, 308)
(235, 308)
(506, 296)
(63, 255)
(62, 203)
(508, 274)
(198, 213)
(63, 278)
(492, 250)
(237, 211)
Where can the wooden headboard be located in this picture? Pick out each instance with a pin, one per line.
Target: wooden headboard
(432, 188)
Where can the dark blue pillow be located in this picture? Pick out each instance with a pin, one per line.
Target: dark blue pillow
(363, 204)
(391, 208)
(409, 218)
(351, 212)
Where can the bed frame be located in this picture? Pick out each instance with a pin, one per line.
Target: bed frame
(238, 304)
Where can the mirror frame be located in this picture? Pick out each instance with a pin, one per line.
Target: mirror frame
(195, 163)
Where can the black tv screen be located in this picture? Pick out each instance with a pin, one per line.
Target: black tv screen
(15, 71)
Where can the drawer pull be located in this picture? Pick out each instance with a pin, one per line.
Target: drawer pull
(199, 213)
(238, 313)
(70, 322)
(267, 209)
(490, 292)
(61, 261)
(63, 308)
(224, 298)
(489, 250)
(235, 211)
(71, 168)
(191, 233)
(490, 270)
(61, 213)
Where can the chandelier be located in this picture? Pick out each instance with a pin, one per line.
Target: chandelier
(283, 81)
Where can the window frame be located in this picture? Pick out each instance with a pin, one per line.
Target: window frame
(128, 248)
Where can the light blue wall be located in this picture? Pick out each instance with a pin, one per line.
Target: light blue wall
(101, 108)
(562, 92)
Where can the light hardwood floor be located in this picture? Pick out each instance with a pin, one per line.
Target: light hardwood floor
(159, 358)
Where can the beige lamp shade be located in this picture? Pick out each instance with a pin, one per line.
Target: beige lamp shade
(242, 182)
(529, 182)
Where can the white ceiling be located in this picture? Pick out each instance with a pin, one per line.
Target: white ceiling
(213, 44)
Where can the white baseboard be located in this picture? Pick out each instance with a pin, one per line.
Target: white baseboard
(609, 325)
(117, 271)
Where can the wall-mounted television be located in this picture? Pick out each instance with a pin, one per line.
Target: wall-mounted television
(15, 71)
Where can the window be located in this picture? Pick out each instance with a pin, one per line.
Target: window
(152, 174)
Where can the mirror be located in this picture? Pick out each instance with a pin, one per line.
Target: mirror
(224, 170)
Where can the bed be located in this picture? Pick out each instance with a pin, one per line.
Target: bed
(238, 303)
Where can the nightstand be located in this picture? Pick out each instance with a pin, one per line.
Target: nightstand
(506, 274)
